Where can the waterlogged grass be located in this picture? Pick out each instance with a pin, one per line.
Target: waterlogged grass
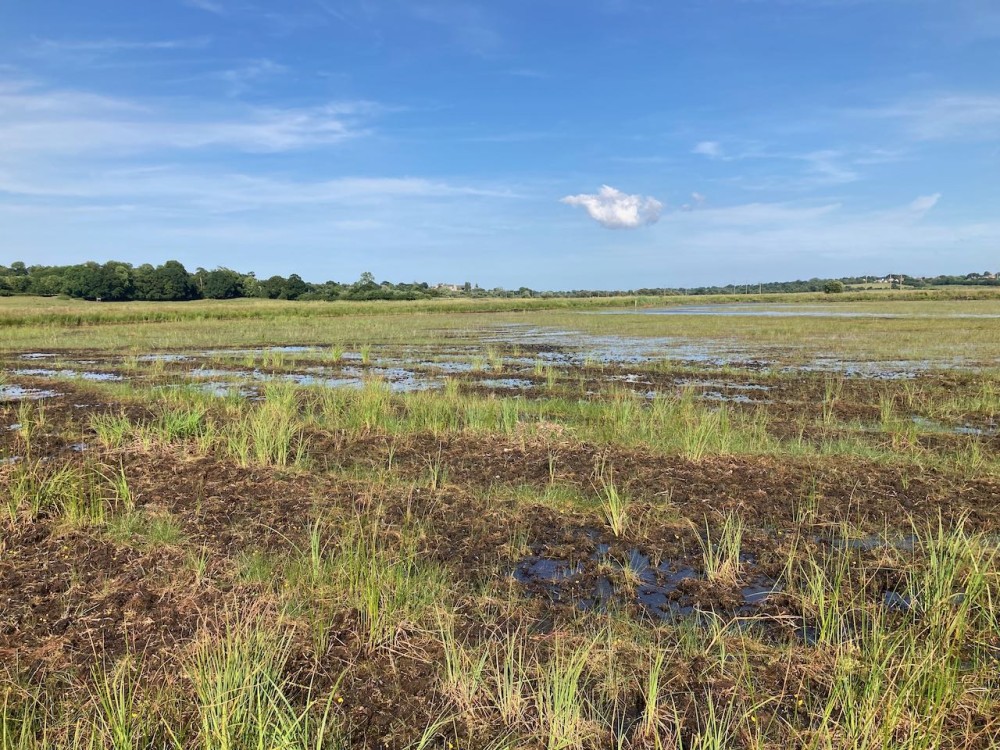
(722, 554)
(275, 429)
(294, 566)
(51, 325)
(920, 679)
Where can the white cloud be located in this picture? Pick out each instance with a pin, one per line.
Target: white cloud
(472, 27)
(219, 193)
(824, 166)
(711, 149)
(614, 209)
(759, 215)
(111, 45)
(58, 122)
(946, 116)
(209, 6)
(924, 203)
(241, 79)
(697, 201)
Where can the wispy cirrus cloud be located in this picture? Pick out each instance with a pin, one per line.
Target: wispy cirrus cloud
(199, 190)
(760, 215)
(799, 235)
(924, 203)
(711, 149)
(209, 6)
(112, 45)
(471, 26)
(80, 154)
(242, 78)
(946, 116)
(811, 169)
(39, 120)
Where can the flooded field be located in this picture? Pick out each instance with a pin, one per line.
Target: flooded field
(694, 527)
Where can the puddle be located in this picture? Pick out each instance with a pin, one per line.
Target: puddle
(990, 430)
(96, 376)
(659, 591)
(900, 369)
(260, 351)
(808, 634)
(222, 390)
(450, 366)
(870, 542)
(396, 379)
(509, 383)
(9, 461)
(759, 310)
(759, 590)
(166, 357)
(631, 378)
(897, 602)
(17, 393)
(730, 398)
(38, 355)
(577, 349)
(545, 569)
(14, 427)
(722, 385)
(581, 349)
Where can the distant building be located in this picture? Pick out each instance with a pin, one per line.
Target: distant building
(448, 287)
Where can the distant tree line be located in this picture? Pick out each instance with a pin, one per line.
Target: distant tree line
(115, 281)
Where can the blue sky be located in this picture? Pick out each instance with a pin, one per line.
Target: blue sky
(548, 143)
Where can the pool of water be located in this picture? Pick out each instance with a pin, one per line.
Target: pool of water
(787, 311)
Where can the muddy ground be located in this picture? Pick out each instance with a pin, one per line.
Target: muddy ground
(518, 511)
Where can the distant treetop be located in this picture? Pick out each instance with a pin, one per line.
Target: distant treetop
(116, 281)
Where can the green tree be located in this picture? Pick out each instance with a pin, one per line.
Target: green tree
(221, 283)
(833, 287)
(273, 287)
(82, 280)
(295, 287)
(365, 282)
(169, 282)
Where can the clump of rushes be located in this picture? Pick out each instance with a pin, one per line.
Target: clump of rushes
(560, 699)
(243, 698)
(31, 418)
(495, 359)
(437, 472)
(389, 586)
(78, 496)
(113, 430)
(832, 389)
(721, 556)
(268, 434)
(615, 504)
(464, 675)
(390, 589)
(651, 725)
(825, 588)
(182, 423)
(118, 722)
(34, 489)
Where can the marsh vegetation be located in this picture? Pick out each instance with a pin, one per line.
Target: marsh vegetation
(233, 525)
